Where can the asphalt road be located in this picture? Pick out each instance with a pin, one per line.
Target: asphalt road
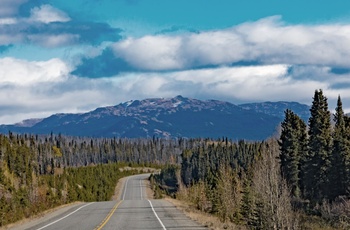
(132, 211)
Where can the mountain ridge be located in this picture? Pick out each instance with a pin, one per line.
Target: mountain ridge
(167, 118)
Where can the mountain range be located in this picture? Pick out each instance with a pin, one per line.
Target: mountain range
(168, 118)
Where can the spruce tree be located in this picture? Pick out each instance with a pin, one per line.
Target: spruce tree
(316, 165)
(293, 147)
(339, 174)
(347, 157)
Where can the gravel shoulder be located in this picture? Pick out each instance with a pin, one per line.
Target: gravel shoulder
(205, 219)
(44, 216)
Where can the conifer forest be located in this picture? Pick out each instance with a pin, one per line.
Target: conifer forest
(298, 180)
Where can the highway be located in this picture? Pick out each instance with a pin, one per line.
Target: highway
(133, 210)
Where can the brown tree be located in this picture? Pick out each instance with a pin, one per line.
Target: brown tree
(272, 194)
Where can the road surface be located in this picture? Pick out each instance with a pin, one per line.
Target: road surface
(132, 211)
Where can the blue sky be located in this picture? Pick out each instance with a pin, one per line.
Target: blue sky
(74, 56)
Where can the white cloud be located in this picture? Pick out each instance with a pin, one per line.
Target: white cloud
(21, 84)
(271, 41)
(21, 72)
(47, 14)
(20, 102)
(29, 30)
(268, 41)
(39, 89)
(152, 53)
(236, 84)
(30, 89)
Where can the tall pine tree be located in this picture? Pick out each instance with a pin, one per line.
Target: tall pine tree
(339, 172)
(316, 165)
(293, 146)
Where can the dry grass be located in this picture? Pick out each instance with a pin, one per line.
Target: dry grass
(314, 222)
(118, 189)
(205, 219)
(149, 191)
(29, 222)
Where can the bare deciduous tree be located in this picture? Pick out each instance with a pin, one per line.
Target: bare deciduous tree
(272, 193)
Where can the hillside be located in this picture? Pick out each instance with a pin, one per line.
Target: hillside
(168, 118)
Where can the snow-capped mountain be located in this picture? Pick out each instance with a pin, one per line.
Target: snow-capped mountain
(163, 117)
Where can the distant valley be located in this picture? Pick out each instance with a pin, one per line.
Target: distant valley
(168, 118)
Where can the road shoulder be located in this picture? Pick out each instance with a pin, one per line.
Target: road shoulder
(42, 217)
(205, 219)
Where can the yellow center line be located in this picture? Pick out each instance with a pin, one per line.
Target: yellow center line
(104, 222)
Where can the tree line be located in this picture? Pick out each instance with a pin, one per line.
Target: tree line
(273, 184)
(38, 172)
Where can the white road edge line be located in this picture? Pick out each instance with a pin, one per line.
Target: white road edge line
(161, 223)
(141, 188)
(64, 217)
(126, 185)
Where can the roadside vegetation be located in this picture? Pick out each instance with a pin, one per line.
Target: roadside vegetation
(24, 192)
(299, 181)
(42, 172)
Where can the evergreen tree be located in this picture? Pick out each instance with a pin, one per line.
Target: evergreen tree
(339, 174)
(316, 165)
(293, 146)
(347, 156)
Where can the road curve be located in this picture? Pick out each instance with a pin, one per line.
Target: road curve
(133, 210)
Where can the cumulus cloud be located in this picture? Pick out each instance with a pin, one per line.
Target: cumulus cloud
(20, 102)
(20, 84)
(20, 72)
(31, 89)
(151, 53)
(268, 41)
(238, 84)
(47, 14)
